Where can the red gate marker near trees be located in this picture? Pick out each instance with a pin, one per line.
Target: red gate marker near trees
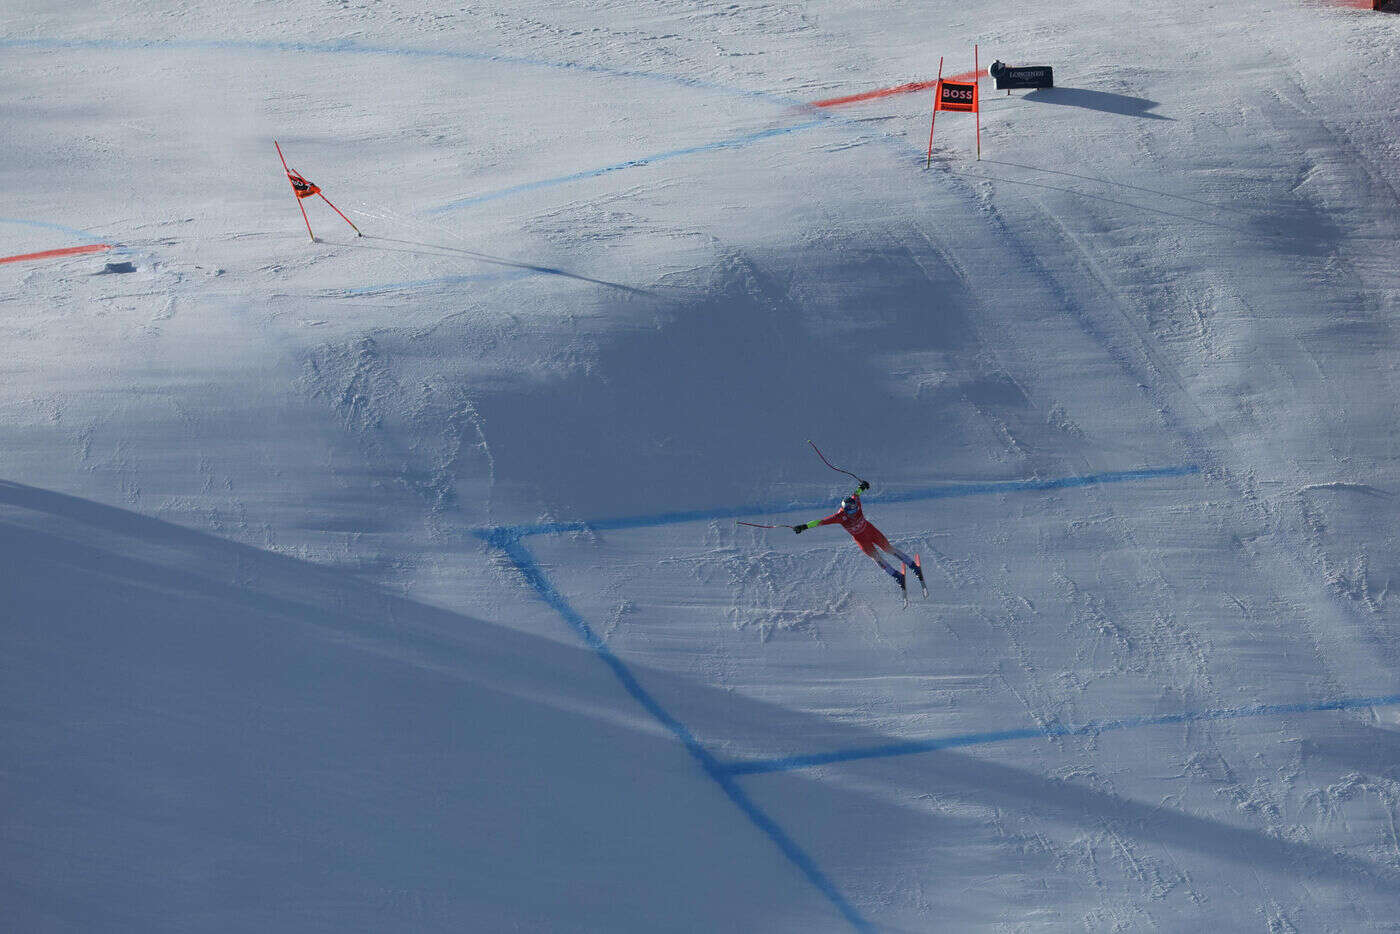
(957, 96)
(305, 189)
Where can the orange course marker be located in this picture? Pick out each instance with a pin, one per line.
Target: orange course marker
(303, 188)
(66, 251)
(957, 95)
(898, 89)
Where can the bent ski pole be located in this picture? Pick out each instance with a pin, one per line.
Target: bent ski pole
(830, 464)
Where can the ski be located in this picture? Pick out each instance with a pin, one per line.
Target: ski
(919, 570)
(903, 583)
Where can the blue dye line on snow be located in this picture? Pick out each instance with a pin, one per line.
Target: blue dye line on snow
(73, 232)
(445, 280)
(355, 48)
(86, 236)
(525, 562)
(508, 540)
(1092, 728)
(733, 142)
(350, 47)
(945, 491)
(505, 539)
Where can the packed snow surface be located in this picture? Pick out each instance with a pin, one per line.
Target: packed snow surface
(393, 583)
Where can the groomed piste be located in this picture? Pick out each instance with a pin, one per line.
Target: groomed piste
(385, 571)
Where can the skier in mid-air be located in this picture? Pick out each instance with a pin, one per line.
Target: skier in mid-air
(870, 539)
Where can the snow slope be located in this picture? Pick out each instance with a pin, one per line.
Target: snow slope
(392, 583)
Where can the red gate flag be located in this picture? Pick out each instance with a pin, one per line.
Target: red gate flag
(304, 189)
(300, 186)
(957, 95)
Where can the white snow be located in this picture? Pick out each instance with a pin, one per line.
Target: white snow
(392, 583)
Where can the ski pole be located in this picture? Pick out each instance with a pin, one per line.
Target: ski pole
(758, 525)
(830, 464)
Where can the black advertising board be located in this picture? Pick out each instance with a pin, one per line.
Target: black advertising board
(1022, 77)
(957, 95)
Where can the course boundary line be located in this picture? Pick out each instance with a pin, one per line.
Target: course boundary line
(509, 541)
(1092, 728)
(350, 47)
(942, 491)
(534, 575)
(441, 280)
(733, 142)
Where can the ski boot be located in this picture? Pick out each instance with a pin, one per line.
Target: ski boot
(919, 570)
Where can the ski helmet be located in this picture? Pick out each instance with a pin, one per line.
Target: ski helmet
(850, 505)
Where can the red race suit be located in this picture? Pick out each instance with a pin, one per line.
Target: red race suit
(864, 532)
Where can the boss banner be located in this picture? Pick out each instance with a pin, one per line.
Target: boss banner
(957, 95)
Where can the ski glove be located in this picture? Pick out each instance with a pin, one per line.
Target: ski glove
(799, 529)
(864, 485)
